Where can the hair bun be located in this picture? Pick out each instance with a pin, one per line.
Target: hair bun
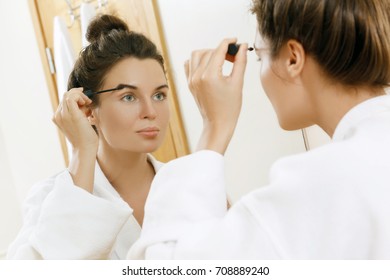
(103, 25)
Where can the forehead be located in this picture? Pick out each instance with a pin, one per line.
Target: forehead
(135, 71)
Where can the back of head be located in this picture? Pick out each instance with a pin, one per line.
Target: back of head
(110, 41)
(350, 39)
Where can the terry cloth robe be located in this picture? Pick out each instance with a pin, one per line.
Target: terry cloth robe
(63, 221)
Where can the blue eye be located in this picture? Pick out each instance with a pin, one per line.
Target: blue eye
(128, 98)
(159, 96)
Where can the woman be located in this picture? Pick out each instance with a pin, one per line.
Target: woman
(323, 62)
(94, 209)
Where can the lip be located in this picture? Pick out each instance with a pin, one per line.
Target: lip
(148, 131)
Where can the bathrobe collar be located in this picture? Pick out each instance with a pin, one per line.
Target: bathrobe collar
(131, 229)
(102, 187)
(359, 113)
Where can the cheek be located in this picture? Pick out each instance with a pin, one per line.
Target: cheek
(285, 97)
(275, 90)
(116, 118)
(163, 114)
(268, 81)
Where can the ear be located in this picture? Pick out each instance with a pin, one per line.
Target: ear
(295, 58)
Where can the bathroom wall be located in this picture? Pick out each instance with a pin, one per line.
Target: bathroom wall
(29, 148)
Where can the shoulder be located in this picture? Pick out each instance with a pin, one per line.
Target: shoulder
(347, 163)
(319, 167)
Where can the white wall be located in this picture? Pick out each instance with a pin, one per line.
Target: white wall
(29, 146)
(258, 141)
(10, 215)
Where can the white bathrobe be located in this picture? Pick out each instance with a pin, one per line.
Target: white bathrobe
(63, 221)
(330, 203)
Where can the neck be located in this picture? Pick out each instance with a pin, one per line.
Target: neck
(333, 102)
(121, 167)
(329, 101)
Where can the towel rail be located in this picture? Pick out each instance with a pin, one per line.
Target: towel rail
(73, 11)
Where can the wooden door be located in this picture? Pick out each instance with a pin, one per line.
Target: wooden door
(141, 16)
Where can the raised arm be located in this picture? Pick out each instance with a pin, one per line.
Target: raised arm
(72, 119)
(218, 97)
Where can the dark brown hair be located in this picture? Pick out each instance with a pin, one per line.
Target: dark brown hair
(110, 41)
(350, 39)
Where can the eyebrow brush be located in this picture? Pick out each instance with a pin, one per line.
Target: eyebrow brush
(89, 93)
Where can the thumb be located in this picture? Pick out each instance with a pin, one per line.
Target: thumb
(240, 62)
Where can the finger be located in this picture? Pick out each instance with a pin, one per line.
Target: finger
(79, 97)
(194, 62)
(240, 61)
(79, 92)
(72, 108)
(85, 97)
(198, 76)
(204, 59)
(193, 66)
(187, 68)
(58, 115)
(73, 99)
(219, 55)
(73, 90)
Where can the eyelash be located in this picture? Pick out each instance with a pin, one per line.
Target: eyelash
(127, 95)
(164, 96)
(161, 93)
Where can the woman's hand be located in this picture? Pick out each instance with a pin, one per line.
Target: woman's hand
(218, 97)
(72, 119)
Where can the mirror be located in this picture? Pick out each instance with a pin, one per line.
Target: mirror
(30, 149)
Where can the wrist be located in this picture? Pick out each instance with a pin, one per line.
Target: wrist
(85, 152)
(82, 167)
(215, 137)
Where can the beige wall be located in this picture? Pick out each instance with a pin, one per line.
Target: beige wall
(29, 148)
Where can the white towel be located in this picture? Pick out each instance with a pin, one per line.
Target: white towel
(64, 57)
(64, 54)
(87, 13)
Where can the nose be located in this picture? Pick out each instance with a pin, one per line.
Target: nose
(147, 110)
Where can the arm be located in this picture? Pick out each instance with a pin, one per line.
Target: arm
(62, 219)
(218, 97)
(196, 182)
(71, 118)
(186, 216)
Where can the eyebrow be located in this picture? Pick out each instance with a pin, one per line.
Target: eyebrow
(122, 86)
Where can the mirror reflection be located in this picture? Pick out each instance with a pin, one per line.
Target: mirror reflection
(31, 146)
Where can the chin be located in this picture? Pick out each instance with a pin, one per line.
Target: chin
(149, 147)
(291, 126)
(150, 150)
